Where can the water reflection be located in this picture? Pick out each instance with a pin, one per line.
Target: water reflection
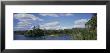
(46, 37)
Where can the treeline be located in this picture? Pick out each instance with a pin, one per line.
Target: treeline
(36, 31)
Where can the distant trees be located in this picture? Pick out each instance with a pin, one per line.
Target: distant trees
(36, 31)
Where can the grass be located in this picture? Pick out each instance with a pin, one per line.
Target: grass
(84, 35)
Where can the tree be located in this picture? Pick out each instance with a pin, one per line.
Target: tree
(92, 23)
(36, 31)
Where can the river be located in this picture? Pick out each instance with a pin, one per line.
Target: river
(47, 37)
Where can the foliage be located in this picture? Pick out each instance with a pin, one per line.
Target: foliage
(92, 22)
(84, 34)
(35, 32)
(89, 33)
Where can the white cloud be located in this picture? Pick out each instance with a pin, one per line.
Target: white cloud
(51, 25)
(80, 23)
(49, 14)
(23, 24)
(40, 19)
(26, 17)
(20, 28)
(56, 14)
(65, 27)
(66, 14)
(25, 20)
(55, 25)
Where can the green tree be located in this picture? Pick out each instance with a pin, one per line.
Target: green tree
(36, 31)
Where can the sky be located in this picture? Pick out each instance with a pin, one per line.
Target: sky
(50, 21)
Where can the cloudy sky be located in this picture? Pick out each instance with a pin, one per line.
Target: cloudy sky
(51, 21)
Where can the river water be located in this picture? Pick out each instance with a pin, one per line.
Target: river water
(47, 37)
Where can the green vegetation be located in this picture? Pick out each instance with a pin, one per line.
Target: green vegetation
(92, 24)
(88, 33)
(84, 34)
(35, 32)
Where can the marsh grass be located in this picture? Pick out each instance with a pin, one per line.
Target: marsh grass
(84, 34)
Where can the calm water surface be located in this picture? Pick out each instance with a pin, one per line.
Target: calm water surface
(47, 37)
